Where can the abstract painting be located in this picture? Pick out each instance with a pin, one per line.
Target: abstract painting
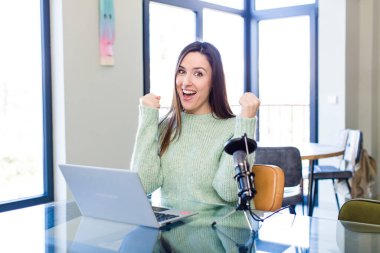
(107, 32)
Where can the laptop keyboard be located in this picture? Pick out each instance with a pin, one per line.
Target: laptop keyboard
(163, 216)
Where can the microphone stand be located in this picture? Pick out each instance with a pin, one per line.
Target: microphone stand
(244, 200)
(246, 208)
(248, 246)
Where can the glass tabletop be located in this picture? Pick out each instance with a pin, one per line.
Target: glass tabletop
(59, 227)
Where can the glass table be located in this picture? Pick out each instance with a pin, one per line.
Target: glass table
(59, 227)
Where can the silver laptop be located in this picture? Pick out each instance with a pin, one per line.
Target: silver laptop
(116, 195)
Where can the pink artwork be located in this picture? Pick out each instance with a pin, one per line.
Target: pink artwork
(107, 32)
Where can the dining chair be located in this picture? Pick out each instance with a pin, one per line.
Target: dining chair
(289, 160)
(361, 210)
(344, 171)
(269, 183)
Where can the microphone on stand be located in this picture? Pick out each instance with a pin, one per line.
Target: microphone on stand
(239, 148)
(243, 176)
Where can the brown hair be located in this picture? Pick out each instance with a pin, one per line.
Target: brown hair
(217, 97)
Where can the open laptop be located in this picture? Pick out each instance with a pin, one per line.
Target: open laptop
(116, 195)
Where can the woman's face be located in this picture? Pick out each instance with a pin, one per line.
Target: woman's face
(193, 83)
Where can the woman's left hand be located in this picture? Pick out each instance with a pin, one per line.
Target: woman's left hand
(249, 105)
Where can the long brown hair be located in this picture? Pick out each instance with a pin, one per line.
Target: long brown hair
(217, 97)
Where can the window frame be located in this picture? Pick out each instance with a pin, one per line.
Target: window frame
(251, 18)
(301, 10)
(48, 187)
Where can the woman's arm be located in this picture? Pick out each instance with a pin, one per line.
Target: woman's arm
(145, 158)
(223, 182)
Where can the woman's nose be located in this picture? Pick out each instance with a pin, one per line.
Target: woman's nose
(186, 81)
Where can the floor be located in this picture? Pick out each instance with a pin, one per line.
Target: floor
(327, 207)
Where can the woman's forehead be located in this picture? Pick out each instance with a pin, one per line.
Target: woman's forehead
(195, 59)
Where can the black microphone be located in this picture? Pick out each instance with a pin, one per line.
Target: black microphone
(238, 148)
(243, 175)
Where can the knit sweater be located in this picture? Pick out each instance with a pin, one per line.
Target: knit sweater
(195, 166)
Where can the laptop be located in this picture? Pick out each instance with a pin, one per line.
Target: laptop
(116, 195)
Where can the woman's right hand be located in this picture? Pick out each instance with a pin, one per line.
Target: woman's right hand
(150, 100)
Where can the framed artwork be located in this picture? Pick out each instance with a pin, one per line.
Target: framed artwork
(106, 32)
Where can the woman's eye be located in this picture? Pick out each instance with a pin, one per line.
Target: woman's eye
(181, 71)
(198, 74)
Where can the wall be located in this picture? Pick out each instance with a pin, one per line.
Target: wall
(95, 107)
(363, 68)
(349, 68)
(331, 70)
(376, 79)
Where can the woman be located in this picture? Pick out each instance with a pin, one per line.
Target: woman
(183, 153)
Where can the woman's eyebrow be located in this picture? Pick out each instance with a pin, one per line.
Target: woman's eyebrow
(195, 68)
(199, 68)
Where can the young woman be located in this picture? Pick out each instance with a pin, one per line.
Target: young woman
(183, 152)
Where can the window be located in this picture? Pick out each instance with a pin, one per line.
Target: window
(238, 4)
(284, 49)
(266, 48)
(25, 107)
(166, 40)
(270, 4)
(218, 28)
(167, 36)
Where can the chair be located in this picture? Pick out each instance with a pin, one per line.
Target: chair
(361, 210)
(289, 160)
(345, 169)
(269, 184)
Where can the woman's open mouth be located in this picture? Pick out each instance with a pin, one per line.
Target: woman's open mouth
(188, 94)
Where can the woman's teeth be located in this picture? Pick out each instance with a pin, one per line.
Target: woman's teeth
(188, 92)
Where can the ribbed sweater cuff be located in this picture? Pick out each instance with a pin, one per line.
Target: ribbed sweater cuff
(245, 125)
(148, 115)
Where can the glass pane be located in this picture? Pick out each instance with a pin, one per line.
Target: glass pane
(226, 32)
(270, 4)
(21, 130)
(237, 4)
(168, 37)
(284, 79)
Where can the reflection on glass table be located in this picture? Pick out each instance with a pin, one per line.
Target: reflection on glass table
(59, 227)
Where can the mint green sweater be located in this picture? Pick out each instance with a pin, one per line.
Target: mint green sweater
(194, 167)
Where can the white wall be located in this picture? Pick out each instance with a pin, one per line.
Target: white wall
(331, 69)
(376, 93)
(95, 107)
(349, 68)
(363, 68)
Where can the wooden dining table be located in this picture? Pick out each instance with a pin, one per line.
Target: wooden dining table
(312, 152)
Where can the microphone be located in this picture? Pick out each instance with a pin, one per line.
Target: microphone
(239, 148)
(243, 176)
